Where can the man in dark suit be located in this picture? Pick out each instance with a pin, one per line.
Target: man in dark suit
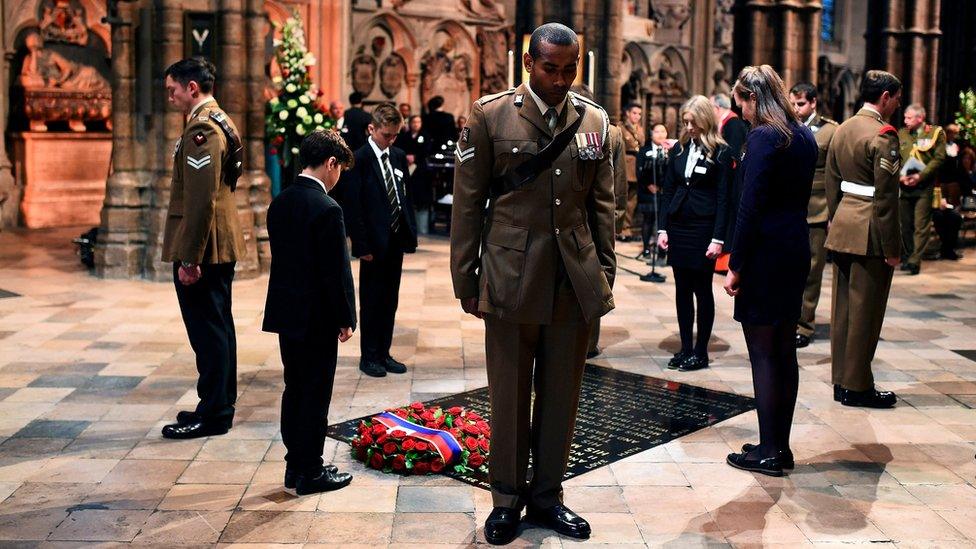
(380, 220)
(311, 305)
(440, 125)
(352, 125)
(203, 241)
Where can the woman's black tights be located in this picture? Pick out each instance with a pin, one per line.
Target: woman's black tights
(691, 285)
(775, 378)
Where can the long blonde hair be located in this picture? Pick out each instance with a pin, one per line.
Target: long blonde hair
(773, 106)
(703, 117)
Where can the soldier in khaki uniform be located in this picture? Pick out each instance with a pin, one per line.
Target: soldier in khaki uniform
(203, 240)
(632, 131)
(532, 254)
(925, 143)
(861, 181)
(804, 97)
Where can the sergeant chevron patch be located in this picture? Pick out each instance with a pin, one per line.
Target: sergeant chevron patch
(465, 155)
(889, 166)
(198, 163)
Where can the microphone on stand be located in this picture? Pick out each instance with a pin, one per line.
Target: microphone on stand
(655, 276)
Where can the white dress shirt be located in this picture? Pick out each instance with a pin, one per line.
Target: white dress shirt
(543, 106)
(387, 166)
(694, 154)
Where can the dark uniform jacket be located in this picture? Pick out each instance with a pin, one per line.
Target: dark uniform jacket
(509, 255)
(202, 224)
(704, 195)
(311, 285)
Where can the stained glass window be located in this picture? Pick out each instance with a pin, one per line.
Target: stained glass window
(827, 21)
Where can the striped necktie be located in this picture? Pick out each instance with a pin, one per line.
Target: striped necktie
(391, 194)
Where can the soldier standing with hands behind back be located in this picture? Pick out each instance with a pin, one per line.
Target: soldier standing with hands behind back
(861, 181)
(532, 254)
(804, 98)
(203, 240)
(924, 144)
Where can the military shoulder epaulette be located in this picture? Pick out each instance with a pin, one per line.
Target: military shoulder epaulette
(489, 98)
(887, 128)
(587, 101)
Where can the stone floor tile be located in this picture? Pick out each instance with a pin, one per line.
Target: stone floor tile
(72, 470)
(228, 449)
(267, 527)
(351, 528)
(31, 525)
(274, 497)
(203, 497)
(371, 499)
(220, 472)
(427, 528)
(101, 525)
(169, 528)
(434, 499)
(125, 496)
(150, 473)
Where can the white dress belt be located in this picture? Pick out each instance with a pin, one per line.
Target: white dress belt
(850, 187)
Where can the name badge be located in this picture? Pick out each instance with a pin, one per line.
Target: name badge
(397, 172)
(700, 169)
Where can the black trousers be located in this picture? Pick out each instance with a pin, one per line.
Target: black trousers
(310, 366)
(947, 225)
(206, 310)
(379, 295)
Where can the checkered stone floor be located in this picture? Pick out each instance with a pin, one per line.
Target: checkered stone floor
(91, 369)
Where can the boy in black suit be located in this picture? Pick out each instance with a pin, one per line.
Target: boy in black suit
(381, 223)
(311, 305)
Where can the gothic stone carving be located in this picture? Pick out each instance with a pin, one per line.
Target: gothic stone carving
(494, 45)
(57, 89)
(363, 73)
(393, 73)
(446, 72)
(63, 21)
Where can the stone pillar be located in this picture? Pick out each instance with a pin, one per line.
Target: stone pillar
(234, 96)
(9, 194)
(122, 236)
(784, 34)
(907, 45)
(609, 35)
(258, 183)
(167, 125)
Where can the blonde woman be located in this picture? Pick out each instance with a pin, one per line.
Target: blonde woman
(771, 258)
(693, 224)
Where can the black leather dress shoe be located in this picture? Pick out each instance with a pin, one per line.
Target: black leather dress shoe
(802, 341)
(394, 366)
(692, 363)
(767, 466)
(594, 353)
(185, 416)
(872, 398)
(560, 519)
(502, 525)
(325, 480)
(914, 269)
(677, 359)
(291, 475)
(372, 368)
(785, 456)
(195, 429)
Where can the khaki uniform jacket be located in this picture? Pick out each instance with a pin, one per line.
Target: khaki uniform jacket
(823, 130)
(928, 144)
(202, 224)
(864, 151)
(509, 255)
(633, 141)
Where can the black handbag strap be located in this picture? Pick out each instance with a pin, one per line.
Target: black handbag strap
(527, 171)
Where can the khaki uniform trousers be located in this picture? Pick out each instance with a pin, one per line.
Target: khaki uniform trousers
(860, 287)
(811, 294)
(915, 213)
(548, 358)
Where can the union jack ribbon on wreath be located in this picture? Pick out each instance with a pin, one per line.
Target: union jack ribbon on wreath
(444, 442)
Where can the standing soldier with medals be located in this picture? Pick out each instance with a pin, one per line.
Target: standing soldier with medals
(861, 181)
(203, 240)
(804, 98)
(923, 151)
(532, 254)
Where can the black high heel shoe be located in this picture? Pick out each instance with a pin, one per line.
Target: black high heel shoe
(785, 456)
(768, 466)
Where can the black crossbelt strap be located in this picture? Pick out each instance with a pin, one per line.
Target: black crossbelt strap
(235, 149)
(527, 171)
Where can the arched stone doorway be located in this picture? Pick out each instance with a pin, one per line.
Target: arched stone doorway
(383, 64)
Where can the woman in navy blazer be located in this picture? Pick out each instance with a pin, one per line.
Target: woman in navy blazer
(693, 225)
(771, 258)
